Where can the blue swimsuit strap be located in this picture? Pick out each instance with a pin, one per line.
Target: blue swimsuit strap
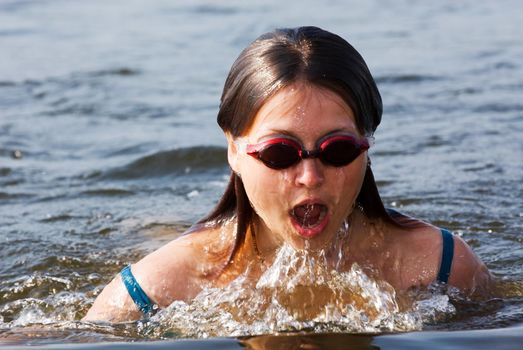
(446, 256)
(136, 292)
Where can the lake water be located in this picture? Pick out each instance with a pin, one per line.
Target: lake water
(109, 148)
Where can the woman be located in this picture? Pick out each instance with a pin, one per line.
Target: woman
(298, 109)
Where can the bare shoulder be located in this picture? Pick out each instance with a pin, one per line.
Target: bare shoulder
(468, 272)
(176, 271)
(418, 255)
(421, 254)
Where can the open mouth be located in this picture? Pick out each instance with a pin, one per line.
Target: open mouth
(309, 219)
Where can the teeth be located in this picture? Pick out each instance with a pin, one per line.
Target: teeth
(309, 215)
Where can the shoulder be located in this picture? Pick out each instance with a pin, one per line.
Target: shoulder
(176, 271)
(181, 268)
(421, 248)
(418, 254)
(468, 272)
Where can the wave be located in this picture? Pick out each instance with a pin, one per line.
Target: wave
(58, 218)
(215, 10)
(73, 79)
(13, 153)
(499, 108)
(10, 196)
(405, 78)
(7, 83)
(5, 171)
(108, 192)
(122, 71)
(173, 162)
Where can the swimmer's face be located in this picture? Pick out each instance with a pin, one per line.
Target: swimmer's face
(306, 203)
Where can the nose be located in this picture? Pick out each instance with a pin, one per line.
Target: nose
(310, 173)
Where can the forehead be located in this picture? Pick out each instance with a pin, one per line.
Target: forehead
(303, 109)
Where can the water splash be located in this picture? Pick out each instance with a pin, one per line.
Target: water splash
(302, 290)
(297, 292)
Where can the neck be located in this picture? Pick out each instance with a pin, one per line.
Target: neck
(264, 243)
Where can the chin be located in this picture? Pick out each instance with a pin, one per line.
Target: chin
(316, 243)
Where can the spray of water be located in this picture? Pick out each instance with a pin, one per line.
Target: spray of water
(299, 291)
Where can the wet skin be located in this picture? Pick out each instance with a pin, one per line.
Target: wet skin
(405, 258)
(305, 114)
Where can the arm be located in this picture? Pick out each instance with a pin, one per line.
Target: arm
(113, 304)
(468, 272)
(165, 275)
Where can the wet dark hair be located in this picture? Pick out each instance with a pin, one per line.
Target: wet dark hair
(275, 61)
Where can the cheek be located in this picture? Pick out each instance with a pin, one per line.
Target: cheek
(346, 182)
(265, 188)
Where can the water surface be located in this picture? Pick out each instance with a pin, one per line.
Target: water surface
(109, 146)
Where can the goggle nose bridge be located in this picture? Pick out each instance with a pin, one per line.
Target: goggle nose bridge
(304, 154)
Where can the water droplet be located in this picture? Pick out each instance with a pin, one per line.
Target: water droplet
(17, 154)
(192, 194)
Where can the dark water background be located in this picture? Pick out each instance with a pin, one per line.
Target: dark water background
(109, 146)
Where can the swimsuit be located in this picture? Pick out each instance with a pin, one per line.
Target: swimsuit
(147, 307)
(136, 292)
(446, 256)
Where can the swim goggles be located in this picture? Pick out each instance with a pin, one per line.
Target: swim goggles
(281, 153)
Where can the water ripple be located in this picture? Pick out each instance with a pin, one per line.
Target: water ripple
(174, 162)
(406, 79)
(108, 192)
